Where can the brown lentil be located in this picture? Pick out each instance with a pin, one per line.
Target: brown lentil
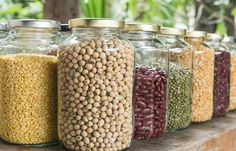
(28, 98)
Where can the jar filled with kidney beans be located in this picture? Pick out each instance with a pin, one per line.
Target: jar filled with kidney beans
(221, 75)
(230, 43)
(180, 78)
(150, 81)
(203, 79)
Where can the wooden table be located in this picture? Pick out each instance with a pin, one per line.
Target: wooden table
(216, 135)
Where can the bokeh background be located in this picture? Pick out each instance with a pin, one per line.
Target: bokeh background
(208, 15)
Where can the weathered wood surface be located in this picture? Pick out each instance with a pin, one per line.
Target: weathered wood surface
(216, 135)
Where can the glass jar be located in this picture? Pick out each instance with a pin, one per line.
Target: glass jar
(221, 75)
(150, 82)
(28, 83)
(180, 78)
(65, 31)
(230, 43)
(203, 77)
(95, 84)
(3, 31)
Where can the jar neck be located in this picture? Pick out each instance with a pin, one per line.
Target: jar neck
(139, 35)
(169, 39)
(215, 43)
(96, 32)
(36, 34)
(194, 41)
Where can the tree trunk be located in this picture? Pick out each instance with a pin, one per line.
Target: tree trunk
(203, 22)
(229, 19)
(61, 10)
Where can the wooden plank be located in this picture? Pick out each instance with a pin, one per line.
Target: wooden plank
(215, 135)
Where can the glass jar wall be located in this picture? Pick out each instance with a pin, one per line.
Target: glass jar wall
(3, 31)
(95, 84)
(203, 79)
(230, 43)
(180, 78)
(28, 83)
(150, 84)
(221, 75)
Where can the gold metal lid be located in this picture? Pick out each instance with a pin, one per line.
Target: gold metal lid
(34, 23)
(195, 34)
(171, 31)
(95, 23)
(141, 27)
(212, 36)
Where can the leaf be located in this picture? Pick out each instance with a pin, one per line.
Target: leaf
(221, 28)
(233, 12)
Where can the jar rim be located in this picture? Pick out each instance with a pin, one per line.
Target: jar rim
(141, 27)
(171, 31)
(95, 23)
(195, 34)
(3, 27)
(213, 36)
(34, 23)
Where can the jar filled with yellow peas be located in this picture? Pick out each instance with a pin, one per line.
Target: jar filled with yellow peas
(230, 43)
(203, 77)
(28, 83)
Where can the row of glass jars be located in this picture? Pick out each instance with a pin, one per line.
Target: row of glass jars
(95, 82)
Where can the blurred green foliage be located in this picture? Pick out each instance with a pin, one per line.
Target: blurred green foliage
(15, 9)
(94, 8)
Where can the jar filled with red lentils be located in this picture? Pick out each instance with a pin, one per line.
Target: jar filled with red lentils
(180, 78)
(28, 83)
(95, 84)
(203, 79)
(150, 82)
(221, 75)
(230, 43)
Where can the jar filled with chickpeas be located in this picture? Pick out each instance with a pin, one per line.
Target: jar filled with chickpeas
(230, 43)
(180, 78)
(203, 79)
(95, 83)
(221, 75)
(4, 32)
(150, 82)
(28, 83)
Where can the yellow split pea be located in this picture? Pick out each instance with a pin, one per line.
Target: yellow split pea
(28, 98)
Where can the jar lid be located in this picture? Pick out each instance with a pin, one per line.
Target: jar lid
(171, 31)
(195, 34)
(212, 36)
(3, 27)
(95, 23)
(229, 39)
(34, 23)
(65, 27)
(141, 27)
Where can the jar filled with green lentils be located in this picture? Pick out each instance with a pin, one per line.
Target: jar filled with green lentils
(95, 85)
(150, 80)
(28, 83)
(180, 78)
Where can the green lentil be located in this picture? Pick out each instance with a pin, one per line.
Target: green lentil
(179, 102)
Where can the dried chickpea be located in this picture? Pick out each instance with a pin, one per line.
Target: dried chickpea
(99, 121)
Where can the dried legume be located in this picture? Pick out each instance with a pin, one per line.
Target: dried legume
(179, 104)
(95, 94)
(28, 98)
(232, 105)
(150, 102)
(203, 68)
(221, 83)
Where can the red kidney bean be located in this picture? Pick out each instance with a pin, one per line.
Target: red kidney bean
(221, 83)
(149, 102)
